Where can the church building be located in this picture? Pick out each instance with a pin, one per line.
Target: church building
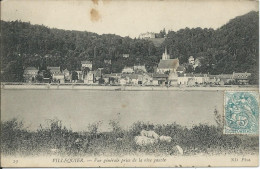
(167, 64)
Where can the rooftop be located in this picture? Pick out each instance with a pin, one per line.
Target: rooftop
(31, 68)
(131, 76)
(186, 75)
(66, 70)
(180, 68)
(115, 74)
(223, 76)
(53, 68)
(198, 75)
(155, 75)
(128, 67)
(86, 62)
(58, 74)
(168, 64)
(139, 66)
(241, 75)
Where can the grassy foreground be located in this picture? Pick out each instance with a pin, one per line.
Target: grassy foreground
(57, 139)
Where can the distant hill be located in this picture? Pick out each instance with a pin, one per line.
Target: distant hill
(232, 47)
(239, 38)
(26, 45)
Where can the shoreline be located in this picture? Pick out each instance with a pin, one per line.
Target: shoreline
(46, 86)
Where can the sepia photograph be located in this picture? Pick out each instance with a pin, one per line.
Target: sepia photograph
(113, 83)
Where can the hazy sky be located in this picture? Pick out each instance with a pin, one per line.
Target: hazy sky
(125, 18)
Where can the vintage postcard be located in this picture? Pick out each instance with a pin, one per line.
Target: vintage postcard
(113, 83)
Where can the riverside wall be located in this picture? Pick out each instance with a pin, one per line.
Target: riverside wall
(70, 86)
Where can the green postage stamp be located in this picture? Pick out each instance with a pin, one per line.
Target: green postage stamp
(241, 112)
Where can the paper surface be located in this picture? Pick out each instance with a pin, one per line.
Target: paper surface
(149, 98)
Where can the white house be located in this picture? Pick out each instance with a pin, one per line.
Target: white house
(128, 70)
(89, 78)
(183, 79)
(191, 60)
(188, 79)
(173, 78)
(58, 77)
(85, 64)
(66, 74)
(140, 67)
(80, 75)
(54, 70)
(30, 73)
(134, 78)
(130, 78)
(201, 78)
(122, 81)
(106, 78)
(125, 55)
(147, 79)
(160, 79)
(147, 35)
(241, 78)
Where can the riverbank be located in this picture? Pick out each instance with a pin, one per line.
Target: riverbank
(69, 86)
(62, 145)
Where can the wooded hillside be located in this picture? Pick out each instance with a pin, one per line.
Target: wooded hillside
(232, 47)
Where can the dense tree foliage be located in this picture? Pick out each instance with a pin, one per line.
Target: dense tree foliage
(232, 47)
(40, 46)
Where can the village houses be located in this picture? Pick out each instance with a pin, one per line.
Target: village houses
(168, 72)
(54, 70)
(30, 74)
(125, 55)
(86, 64)
(173, 79)
(160, 79)
(80, 75)
(128, 70)
(191, 79)
(66, 74)
(57, 75)
(147, 35)
(147, 79)
(139, 68)
(241, 78)
(89, 78)
(133, 79)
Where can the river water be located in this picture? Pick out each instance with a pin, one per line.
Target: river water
(79, 108)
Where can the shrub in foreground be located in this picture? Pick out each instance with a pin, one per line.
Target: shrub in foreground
(57, 139)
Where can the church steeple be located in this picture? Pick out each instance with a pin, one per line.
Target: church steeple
(165, 55)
